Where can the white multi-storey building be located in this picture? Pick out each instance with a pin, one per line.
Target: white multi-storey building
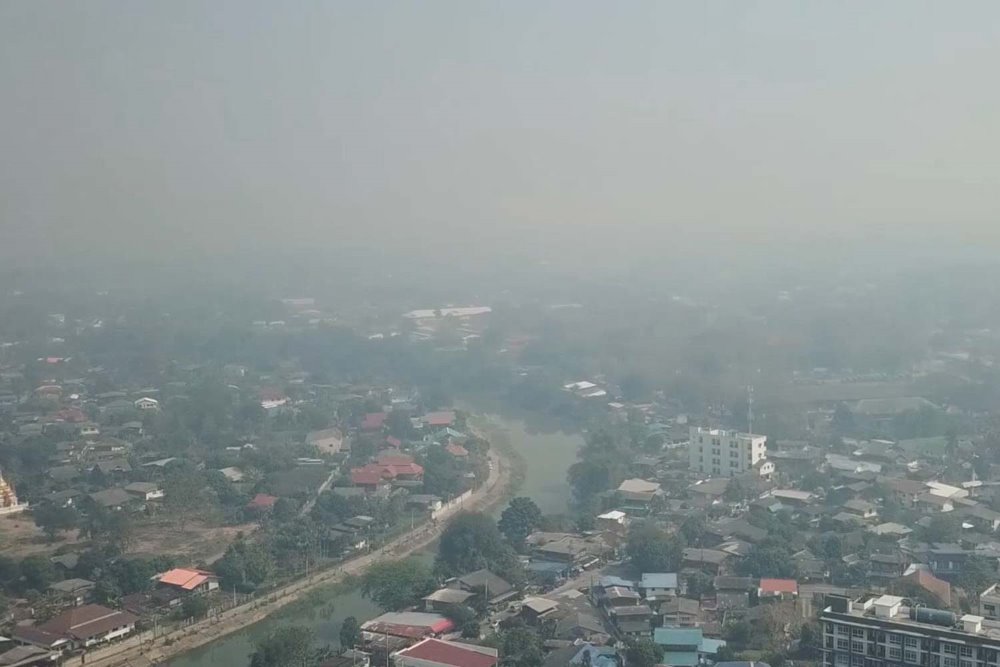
(722, 453)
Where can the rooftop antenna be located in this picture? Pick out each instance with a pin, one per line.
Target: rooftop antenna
(750, 409)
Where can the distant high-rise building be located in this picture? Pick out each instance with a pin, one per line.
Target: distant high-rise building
(722, 453)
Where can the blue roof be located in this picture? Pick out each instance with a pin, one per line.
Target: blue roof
(711, 646)
(659, 580)
(678, 637)
(600, 656)
(680, 659)
(608, 581)
(545, 566)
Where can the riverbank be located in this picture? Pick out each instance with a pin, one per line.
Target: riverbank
(143, 651)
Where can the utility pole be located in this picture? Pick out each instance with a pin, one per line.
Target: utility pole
(750, 409)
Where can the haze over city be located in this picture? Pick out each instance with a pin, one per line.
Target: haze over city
(508, 334)
(175, 128)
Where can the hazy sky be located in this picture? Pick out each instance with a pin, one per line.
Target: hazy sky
(152, 127)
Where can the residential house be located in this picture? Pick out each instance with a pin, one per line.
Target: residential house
(885, 567)
(921, 576)
(27, 656)
(658, 586)
(146, 403)
(637, 495)
(114, 467)
(262, 502)
(442, 419)
(861, 508)
(733, 593)
(408, 625)
(710, 561)
(495, 589)
(708, 492)
(982, 518)
(79, 627)
(989, 603)
(444, 600)
(145, 490)
(780, 589)
(432, 652)
(580, 655)
(115, 499)
(631, 620)
(686, 647)
(75, 592)
(615, 520)
(374, 421)
(188, 581)
(568, 548)
(534, 610)
(680, 612)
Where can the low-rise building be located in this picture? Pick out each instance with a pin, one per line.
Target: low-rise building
(80, 627)
(439, 653)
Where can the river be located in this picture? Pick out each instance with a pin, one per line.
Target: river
(547, 455)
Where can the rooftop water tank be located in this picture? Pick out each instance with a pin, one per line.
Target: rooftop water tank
(932, 616)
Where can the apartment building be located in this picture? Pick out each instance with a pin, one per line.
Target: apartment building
(722, 453)
(884, 631)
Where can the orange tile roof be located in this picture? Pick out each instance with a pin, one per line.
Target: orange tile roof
(184, 578)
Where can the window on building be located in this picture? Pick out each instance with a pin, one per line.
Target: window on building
(895, 639)
(857, 632)
(857, 661)
(913, 642)
(951, 649)
(841, 660)
(843, 644)
(895, 653)
(949, 662)
(912, 657)
(966, 651)
(857, 647)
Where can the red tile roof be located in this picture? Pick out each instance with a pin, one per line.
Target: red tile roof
(373, 421)
(449, 653)
(779, 586)
(367, 476)
(457, 450)
(926, 580)
(262, 501)
(444, 418)
(395, 442)
(185, 578)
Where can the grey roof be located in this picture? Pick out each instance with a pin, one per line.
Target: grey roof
(449, 596)
(72, 585)
(486, 579)
(111, 497)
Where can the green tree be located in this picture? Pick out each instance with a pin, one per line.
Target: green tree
(396, 585)
(471, 542)
(942, 528)
(194, 607)
(520, 518)
(38, 573)
(651, 549)
(54, 519)
(768, 561)
(290, 646)
(643, 653)
(693, 529)
(977, 575)
(521, 647)
(350, 633)
(442, 476)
